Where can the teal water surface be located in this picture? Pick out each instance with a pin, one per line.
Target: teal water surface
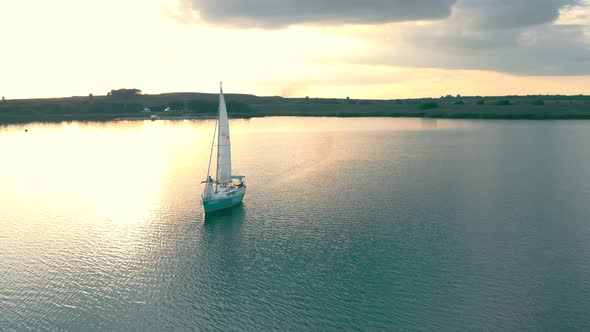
(348, 224)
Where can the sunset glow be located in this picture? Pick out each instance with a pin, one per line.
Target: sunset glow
(65, 48)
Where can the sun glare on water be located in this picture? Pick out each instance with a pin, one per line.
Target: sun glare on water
(124, 166)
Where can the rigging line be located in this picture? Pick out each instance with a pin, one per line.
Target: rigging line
(211, 153)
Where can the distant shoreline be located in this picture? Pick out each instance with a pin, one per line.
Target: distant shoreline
(204, 106)
(188, 117)
(93, 119)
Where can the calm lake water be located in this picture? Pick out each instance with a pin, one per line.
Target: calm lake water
(348, 224)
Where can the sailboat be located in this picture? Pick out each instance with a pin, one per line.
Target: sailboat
(226, 190)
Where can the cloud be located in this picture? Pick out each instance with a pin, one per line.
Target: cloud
(509, 14)
(526, 37)
(543, 50)
(488, 35)
(281, 13)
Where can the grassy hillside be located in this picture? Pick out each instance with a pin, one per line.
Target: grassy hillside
(205, 105)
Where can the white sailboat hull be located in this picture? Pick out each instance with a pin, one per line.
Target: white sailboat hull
(224, 198)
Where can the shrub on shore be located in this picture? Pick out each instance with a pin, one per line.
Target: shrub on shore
(427, 106)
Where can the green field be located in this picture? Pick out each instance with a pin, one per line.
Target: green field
(134, 105)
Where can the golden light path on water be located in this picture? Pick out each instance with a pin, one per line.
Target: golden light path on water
(117, 171)
(108, 177)
(124, 167)
(125, 163)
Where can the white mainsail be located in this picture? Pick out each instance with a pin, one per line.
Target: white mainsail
(223, 143)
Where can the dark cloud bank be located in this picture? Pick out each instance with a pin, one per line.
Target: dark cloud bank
(502, 35)
(280, 13)
(515, 36)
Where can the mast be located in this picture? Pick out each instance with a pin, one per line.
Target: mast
(223, 143)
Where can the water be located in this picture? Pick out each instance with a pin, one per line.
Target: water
(348, 224)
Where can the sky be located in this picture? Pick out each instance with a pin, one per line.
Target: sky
(382, 49)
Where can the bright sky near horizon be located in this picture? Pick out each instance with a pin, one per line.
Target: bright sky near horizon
(293, 48)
